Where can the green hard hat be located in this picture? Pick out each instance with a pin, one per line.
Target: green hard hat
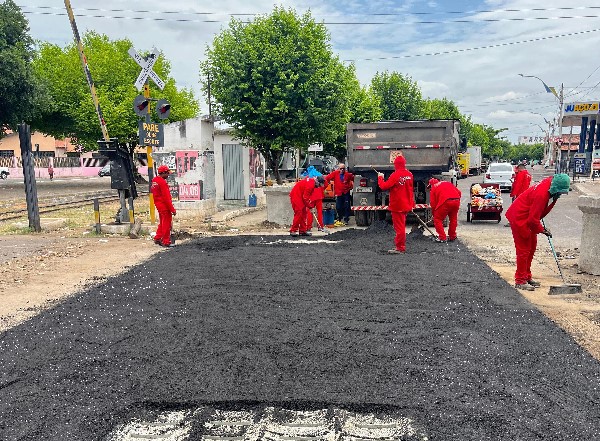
(560, 184)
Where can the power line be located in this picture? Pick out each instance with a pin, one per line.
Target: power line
(374, 14)
(490, 46)
(353, 23)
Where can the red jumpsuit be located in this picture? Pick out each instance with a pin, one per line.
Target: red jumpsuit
(525, 216)
(341, 189)
(164, 205)
(522, 183)
(402, 199)
(317, 197)
(444, 199)
(300, 197)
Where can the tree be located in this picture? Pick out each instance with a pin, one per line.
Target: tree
(277, 83)
(17, 84)
(399, 96)
(363, 108)
(67, 109)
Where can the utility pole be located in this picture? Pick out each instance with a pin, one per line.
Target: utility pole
(560, 117)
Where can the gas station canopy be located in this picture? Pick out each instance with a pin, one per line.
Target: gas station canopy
(574, 112)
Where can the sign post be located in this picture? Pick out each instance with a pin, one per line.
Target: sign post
(151, 135)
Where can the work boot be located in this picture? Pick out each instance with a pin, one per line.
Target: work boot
(396, 251)
(438, 240)
(525, 287)
(321, 229)
(294, 233)
(452, 240)
(534, 283)
(306, 233)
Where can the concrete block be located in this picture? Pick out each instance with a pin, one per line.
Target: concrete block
(589, 250)
(279, 208)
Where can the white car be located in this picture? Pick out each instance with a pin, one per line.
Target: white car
(501, 173)
(4, 172)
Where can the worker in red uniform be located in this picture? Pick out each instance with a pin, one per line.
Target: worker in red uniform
(164, 205)
(402, 200)
(300, 197)
(522, 181)
(317, 197)
(343, 181)
(525, 216)
(444, 199)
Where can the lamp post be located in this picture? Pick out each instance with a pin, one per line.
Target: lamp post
(560, 97)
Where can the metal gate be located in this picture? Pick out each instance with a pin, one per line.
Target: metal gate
(233, 172)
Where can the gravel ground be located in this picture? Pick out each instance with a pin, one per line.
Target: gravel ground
(251, 322)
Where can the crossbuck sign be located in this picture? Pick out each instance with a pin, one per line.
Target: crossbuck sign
(146, 66)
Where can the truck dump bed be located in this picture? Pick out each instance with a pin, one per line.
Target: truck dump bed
(426, 145)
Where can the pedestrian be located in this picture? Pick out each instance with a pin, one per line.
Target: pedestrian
(51, 172)
(164, 205)
(525, 216)
(522, 181)
(444, 199)
(343, 181)
(402, 200)
(300, 198)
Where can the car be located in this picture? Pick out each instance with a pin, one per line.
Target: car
(104, 171)
(4, 172)
(501, 173)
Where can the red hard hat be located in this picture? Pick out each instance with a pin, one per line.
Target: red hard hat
(163, 169)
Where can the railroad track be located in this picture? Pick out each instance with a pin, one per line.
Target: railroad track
(15, 209)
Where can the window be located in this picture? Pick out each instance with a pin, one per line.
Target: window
(501, 168)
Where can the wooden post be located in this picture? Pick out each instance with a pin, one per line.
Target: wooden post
(33, 212)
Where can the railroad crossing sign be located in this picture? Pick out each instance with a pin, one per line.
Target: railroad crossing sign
(146, 65)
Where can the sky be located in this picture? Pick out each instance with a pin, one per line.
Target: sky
(468, 51)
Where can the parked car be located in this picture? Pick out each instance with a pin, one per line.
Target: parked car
(501, 173)
(105, 171)
(4, 172)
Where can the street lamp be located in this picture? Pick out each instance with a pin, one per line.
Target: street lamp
(560, 97)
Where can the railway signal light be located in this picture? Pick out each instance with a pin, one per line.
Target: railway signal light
(140, 105)
(163, 109)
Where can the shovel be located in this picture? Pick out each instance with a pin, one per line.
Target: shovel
(314, 213)
(425, 225)
(565, 288)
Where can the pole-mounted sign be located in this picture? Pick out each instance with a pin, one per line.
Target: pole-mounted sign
(146, 65)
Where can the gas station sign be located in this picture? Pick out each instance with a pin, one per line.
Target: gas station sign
(582, 109)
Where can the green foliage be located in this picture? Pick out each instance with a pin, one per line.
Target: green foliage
(363, 108)
(399, 96)
(17, 85)
(68, 110)
(523, 151)
(277, 83)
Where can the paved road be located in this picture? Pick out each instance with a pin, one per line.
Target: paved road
(270, 338)
(14, 189)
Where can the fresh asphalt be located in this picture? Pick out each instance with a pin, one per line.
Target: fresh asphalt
(268, 325)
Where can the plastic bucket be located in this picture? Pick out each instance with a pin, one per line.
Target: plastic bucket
(328, 216)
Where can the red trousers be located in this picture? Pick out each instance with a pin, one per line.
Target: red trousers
(163, 232)
(309, 216)
(525, 245)
(449, 209)
(300, 215)
(399, 222)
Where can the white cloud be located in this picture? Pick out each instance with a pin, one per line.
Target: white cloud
(482, 82)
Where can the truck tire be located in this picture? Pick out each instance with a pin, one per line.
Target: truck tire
(3, 175)
(363, 218)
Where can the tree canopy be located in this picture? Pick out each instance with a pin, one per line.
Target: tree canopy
(17, 84)
(399, 96)
(67, 109)
(277, 83)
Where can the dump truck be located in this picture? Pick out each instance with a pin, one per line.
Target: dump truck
(430, 148)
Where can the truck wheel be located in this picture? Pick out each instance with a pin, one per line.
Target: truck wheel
(363, 218)
(3, 175)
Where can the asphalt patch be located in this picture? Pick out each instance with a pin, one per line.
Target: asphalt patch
(433, 336)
